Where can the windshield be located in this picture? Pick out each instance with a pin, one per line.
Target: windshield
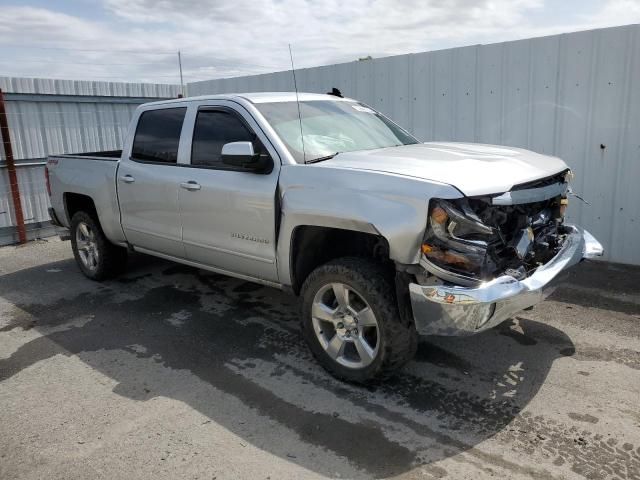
(330, 127)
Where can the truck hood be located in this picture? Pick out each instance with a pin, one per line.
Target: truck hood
(474, 169)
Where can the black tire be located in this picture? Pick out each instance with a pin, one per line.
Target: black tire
(397, 336)
(110, 259)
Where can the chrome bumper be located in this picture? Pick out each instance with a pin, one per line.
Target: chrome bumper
(454, 310)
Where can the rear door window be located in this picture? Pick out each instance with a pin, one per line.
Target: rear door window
(158, 135)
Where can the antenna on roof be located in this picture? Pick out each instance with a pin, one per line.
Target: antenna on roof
(295, 86)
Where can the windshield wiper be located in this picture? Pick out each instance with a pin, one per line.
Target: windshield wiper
(321, 159)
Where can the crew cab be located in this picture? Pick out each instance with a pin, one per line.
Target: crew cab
(383, 237)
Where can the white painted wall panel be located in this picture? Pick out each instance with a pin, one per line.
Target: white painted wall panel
(562, 95)
(87, 87)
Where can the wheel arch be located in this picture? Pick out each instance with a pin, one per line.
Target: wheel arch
(78, 202)
(313, 245)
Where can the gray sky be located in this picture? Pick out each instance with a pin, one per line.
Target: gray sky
(137, 40)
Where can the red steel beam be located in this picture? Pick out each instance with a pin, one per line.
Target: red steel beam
(11, 168)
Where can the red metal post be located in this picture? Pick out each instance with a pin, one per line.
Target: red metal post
(11, 168)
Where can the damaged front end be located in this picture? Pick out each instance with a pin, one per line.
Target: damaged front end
(471, 240)
(486, 258)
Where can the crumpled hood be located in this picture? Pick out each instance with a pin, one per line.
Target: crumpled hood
(473, 168)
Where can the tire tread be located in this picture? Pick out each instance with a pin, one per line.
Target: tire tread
(399, 335)
(113, 258)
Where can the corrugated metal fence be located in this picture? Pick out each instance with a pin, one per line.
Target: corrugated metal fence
(48, 117)
(574, 95)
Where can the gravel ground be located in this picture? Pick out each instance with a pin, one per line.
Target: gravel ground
(172, 372)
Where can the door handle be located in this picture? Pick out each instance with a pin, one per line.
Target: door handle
(127, 179)
(191, 185)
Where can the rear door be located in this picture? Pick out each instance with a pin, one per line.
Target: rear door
(228, 216)
(147, 182)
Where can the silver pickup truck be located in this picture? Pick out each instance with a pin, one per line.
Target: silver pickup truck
(383, 237)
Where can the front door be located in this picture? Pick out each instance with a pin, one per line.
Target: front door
(148, 186)
(228, 216)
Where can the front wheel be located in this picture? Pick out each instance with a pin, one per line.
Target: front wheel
(96, 256)
(351, 321)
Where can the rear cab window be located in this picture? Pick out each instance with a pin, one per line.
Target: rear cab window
(157, 135)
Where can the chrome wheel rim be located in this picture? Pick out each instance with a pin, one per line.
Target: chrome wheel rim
(345, 325)
(87, 246)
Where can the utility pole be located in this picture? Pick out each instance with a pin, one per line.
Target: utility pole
(180, 66)
(11, 170)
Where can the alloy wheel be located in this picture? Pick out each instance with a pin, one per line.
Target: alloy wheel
(87, 246)
(345, 325)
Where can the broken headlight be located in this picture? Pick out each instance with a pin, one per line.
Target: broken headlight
(456, 239)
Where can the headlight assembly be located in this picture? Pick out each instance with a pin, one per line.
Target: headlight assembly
(456, 239)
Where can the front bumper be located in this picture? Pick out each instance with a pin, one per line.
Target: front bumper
(454, 310)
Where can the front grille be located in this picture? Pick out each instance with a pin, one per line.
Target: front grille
(510, 250)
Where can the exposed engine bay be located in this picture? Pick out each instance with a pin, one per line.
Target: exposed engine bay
(480, 238)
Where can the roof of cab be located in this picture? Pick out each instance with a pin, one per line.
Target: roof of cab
(259, 97)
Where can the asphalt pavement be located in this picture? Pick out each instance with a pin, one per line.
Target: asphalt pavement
(173, 372)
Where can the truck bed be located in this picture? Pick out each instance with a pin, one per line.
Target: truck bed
(91, 175)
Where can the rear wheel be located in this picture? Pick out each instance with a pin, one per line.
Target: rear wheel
(351, 321)
(96, 256)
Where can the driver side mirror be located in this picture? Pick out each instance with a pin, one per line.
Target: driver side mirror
(242, 155)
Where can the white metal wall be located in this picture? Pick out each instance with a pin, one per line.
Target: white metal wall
(563, 95)
(48, 117)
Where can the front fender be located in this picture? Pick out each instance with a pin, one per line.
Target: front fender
(392, 206)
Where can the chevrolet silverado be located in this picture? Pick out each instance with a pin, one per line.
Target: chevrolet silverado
(383, 237)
